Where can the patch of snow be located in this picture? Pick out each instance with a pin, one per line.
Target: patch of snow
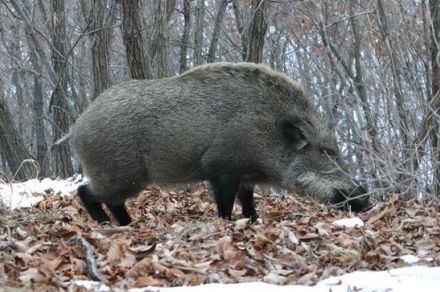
(355, 222)
(28, 193)
(252, 286)
(417, 278)
(411, 259)
(91, 285)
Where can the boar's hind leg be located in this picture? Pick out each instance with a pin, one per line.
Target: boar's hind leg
(93, 206)
(120, 213)
(246, 197)
(225, 188)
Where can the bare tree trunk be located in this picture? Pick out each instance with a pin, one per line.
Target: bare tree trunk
(101, 45)
(12, 144)
(283, 63)
(434, 7)
(23, 10)
(38, 131)
(359, 84)
(80, 104)
(198, 36)
(406, 179)
(38, 58)
(38, 112)
(161, 47)
(184, 41)
(240, 27)
(216, 32)
(60, 109)
(367, 128)
(79, 95)
(257, 31)
(139, 66)
(17, 78)
(3, 165)
(395, 72)
(428, 130)
(275, 52)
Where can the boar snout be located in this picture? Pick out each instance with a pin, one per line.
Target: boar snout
(356, 198)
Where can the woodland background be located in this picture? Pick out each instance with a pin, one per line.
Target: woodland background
(372, 67)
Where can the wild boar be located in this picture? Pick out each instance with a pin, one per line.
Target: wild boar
(233, 125)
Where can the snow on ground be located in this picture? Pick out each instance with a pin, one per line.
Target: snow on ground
(415, 278)
(409, 279)
(349, 222)
(28, 193)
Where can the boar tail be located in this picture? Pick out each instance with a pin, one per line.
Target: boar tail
(62, 139)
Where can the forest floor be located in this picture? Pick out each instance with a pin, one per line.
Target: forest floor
(176, 239)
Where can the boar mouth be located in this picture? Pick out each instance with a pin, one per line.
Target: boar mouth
(356, 199)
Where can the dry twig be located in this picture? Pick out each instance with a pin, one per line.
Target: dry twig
(90, 259)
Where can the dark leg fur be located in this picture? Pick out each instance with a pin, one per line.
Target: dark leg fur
(246, 197)
(225, 189)
(93, 207)
(120, 213)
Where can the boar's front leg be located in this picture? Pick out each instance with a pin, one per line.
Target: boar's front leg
(225, 188)
(96, 211)
(120, 213)
(92, 205)
(246, 197)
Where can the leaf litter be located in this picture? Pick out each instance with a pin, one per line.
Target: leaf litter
(176, 239)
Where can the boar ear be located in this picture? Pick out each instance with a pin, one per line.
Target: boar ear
(292, 131)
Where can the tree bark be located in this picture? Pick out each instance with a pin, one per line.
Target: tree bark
(406, 177)
(184, 41)
(163, 9)
(429, 129)
(17, 78)
(434, 7)
(12, 145)
(60, 110)
(366, 123)
(138, 64)
(275, 52)
(38, 58)
(23, 10)
(395, 72)
(216, 32)
(257, 31)
(38, 129)
(3, 164)
(240, 27)
(198, 36)
(359, 84)
(101, 45)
